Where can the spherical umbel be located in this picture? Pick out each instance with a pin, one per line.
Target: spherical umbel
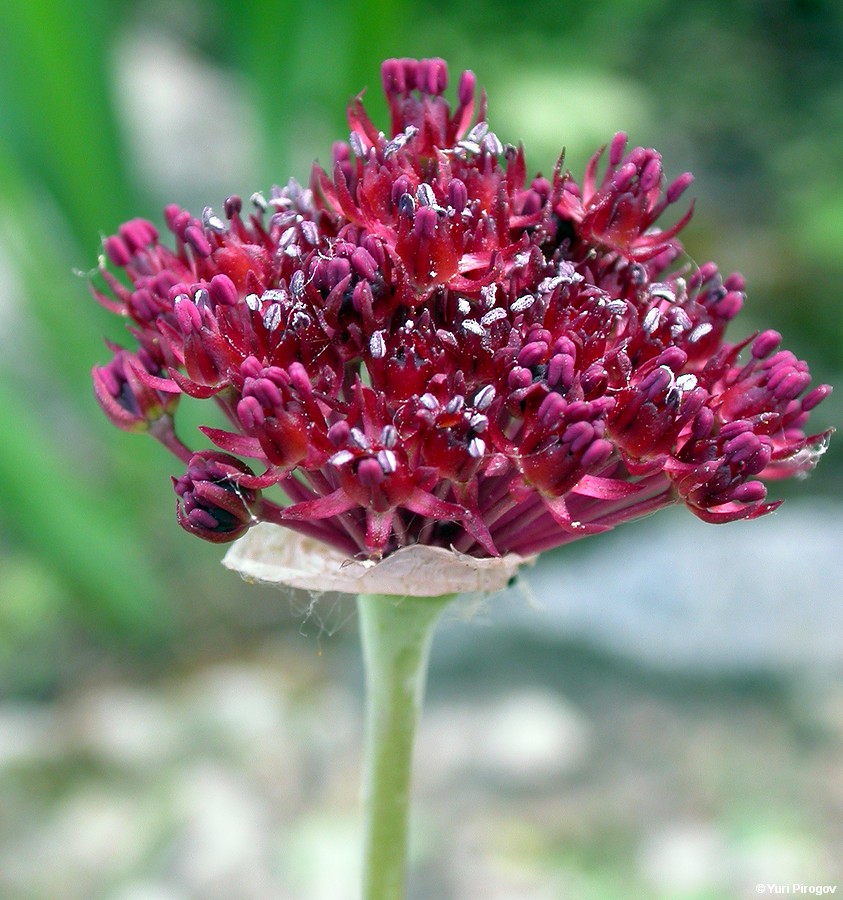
(426, 347)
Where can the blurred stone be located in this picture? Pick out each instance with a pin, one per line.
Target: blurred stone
(676, 593)
(127, 726)
(28, 734)
(768, 857)
(236, 703)
(91, 838)
(225, 828)
(525, 739)
(147, 890)
(320, 858)
(481, 862)
(689, 859)
(531, 737)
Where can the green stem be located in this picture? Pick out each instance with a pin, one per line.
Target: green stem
(396, 634)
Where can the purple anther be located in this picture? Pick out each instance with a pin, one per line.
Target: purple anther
(172, 211)
(369, 472)
(187, 314)
(651, 174)
(766, 343)
(457, 194)
(791, 385)
(363, 264)
(392, 76)
(560, 371)
(467, 88)
(707, 272)
(551, 410)
(232, 206)
(437, 76)
(817, 395)
(338, 269)
(425, 222)
(656, 383)
(223, 291)
(578, 436)
(338, 433)
(703, 423)
(519, 378)
(730, 305)
(362, 297)
(194, 236)
(199, 519)
(741, 448)
(374, 247)
(678, 187)
(250, 413)
(138, 233)
(617, 148)
(266, 392)
(531, 203)
(733, 429)
(597, 453)
(749, 492)
(410, 68)
(402, 185)
(163, 282)
(673, 357)
(532, 354)
(594, 379)
(623, 178)
(299, 378)
(251, 367)
(116, 250)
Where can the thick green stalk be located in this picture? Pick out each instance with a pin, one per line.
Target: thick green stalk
(396, 634)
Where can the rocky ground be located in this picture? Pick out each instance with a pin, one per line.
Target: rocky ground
(552, 762)
(239, 780)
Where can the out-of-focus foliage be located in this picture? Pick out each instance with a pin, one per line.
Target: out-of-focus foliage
(109, 110)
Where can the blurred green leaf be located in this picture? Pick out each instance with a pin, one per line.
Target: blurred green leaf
(57, 105)
(77, 534)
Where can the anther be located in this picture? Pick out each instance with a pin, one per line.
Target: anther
(377, 345)
(359, 439)
(476, 447)
(212, 221)
(389, 436)
(484, 398)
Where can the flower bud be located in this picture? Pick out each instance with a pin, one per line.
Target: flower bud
(213, 504)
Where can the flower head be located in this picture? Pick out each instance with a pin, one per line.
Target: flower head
(426, 347)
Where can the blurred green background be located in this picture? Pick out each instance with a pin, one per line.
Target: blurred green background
(112, 109)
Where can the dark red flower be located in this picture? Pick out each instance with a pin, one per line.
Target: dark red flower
(425, 347)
